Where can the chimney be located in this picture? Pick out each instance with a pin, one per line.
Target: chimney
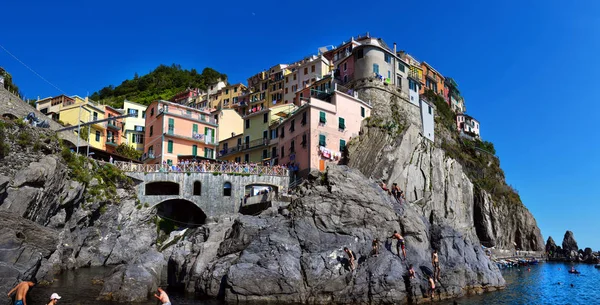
(394, 48)
(86, 99)
(233, 134)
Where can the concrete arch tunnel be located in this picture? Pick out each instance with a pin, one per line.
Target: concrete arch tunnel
(181, 212)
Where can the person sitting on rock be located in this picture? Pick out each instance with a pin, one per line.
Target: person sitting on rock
(431, 287)
(351, 258)
(399, 243)
(435, 261)
(384, 187)
(375, 245)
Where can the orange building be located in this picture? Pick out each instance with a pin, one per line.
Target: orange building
(432, 79)
(113, 129)
(176, 132)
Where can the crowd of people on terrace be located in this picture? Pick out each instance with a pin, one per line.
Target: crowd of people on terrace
(219, 166)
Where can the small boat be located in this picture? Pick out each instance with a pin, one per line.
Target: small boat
(574, 271)
(597, 266)
(533, 262)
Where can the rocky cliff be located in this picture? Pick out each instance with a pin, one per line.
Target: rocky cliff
(297, 255)
(570, 251)
(448, 181)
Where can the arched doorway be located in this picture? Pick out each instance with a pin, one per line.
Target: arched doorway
(161, 188)
(257, 198)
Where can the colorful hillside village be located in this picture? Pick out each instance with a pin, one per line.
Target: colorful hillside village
(300, 115)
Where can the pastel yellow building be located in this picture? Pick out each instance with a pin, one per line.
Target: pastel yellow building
(230, 149)
(259, 140)
(228, 96)
(230, 123)
(134, 125)
(83, 111)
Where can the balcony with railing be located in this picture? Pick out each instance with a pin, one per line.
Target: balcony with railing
(112, 124)
(203, 117)
(414, 75)
(432, 76)
(111, 142)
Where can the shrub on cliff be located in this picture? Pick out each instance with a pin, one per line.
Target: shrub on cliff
(4, 147)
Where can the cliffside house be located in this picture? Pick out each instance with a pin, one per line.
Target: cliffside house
(174, 132)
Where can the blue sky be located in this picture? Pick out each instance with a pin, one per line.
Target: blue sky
(527, 69)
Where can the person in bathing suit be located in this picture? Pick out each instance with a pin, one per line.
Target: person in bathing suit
(399, 243)
(435, 261)
(21, 292)
(162, 297)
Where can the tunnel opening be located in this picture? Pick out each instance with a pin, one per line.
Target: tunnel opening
(179, 214)
(257, 198)
(161, 188)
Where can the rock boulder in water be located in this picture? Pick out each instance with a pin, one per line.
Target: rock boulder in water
(569, 244)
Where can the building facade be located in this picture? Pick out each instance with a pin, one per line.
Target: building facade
(134, 125)
(84, 110)
(427, 119)
(467, 124)
(114, 129)
(318, 131)
(175, 133)
(230, 123)
(432, 79)
(51, 106)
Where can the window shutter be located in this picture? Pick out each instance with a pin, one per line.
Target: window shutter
(170, 147)
(195, 128)
(194, 150)
(322, 140)
(342, 144)
(342, 123)
(322, 118)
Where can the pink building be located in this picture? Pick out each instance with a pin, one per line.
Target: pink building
(318, 131)
(175, 133)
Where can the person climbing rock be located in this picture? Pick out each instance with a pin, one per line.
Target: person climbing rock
(375, 246)
(399, 243)
(411, 272)
(21, 292)
(431, 287)
(351, 258)
(162, 297)
(435, 261)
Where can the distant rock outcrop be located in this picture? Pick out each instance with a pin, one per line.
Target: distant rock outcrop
(570, 251)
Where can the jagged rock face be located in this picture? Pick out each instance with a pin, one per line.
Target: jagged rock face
(438, 185)
(550, 244)
(569, 243)
(23, 245)
(299, 258)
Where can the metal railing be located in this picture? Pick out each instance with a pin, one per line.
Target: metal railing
(223, 168)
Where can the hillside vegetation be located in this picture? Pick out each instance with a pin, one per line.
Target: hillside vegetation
(162, 83)
(478, 158)
(9, 84)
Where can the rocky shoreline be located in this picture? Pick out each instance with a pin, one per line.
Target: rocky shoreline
(570, 252)
(64, 212)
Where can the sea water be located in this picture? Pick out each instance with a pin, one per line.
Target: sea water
(538, 285)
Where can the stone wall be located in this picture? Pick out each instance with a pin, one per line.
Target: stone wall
(212, 201)
(15, 106)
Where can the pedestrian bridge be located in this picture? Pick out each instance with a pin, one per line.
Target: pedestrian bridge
(215, 189)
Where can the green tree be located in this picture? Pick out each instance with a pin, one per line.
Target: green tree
(84, 132)
(128, 151)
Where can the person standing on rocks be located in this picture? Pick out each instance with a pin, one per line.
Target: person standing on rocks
(351, 257)
(21, 292)
(399, 243)
(435, 261)
(162, 297)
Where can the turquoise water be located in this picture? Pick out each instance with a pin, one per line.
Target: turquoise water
(540, 286)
